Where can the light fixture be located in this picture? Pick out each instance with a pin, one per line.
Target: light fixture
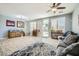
(21, 16)
(18, 16)
(54, 10)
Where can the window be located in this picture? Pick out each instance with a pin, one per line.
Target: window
(61, 24)
(58, 24)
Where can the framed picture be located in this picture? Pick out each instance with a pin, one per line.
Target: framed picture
(20, 24)
(10, 23)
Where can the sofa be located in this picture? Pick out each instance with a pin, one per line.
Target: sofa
(68, 44)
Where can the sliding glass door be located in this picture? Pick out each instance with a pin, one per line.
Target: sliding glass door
(32, 27)
(45, 28)
(58, 24)
(37, 27)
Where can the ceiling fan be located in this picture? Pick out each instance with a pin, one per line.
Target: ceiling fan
(55, 6)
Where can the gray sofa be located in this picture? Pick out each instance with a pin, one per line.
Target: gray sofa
(68, 45)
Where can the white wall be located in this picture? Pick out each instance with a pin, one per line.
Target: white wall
(4, 29)
(75, 20)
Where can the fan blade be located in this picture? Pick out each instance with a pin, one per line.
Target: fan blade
(58, 4)
(61, 7)
(54, 4)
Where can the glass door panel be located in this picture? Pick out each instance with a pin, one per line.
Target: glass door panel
(58, 24)
(45, 26)
(32, 27)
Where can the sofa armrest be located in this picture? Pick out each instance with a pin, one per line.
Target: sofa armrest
(68, 49)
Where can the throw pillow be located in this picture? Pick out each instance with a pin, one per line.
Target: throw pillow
(69, 39)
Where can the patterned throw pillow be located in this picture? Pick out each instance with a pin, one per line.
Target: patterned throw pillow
(69, 39)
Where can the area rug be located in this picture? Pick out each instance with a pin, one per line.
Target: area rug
(37, 49)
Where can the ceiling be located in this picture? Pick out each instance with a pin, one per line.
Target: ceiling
(33, 10)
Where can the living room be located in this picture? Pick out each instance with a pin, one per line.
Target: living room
(21, 26)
